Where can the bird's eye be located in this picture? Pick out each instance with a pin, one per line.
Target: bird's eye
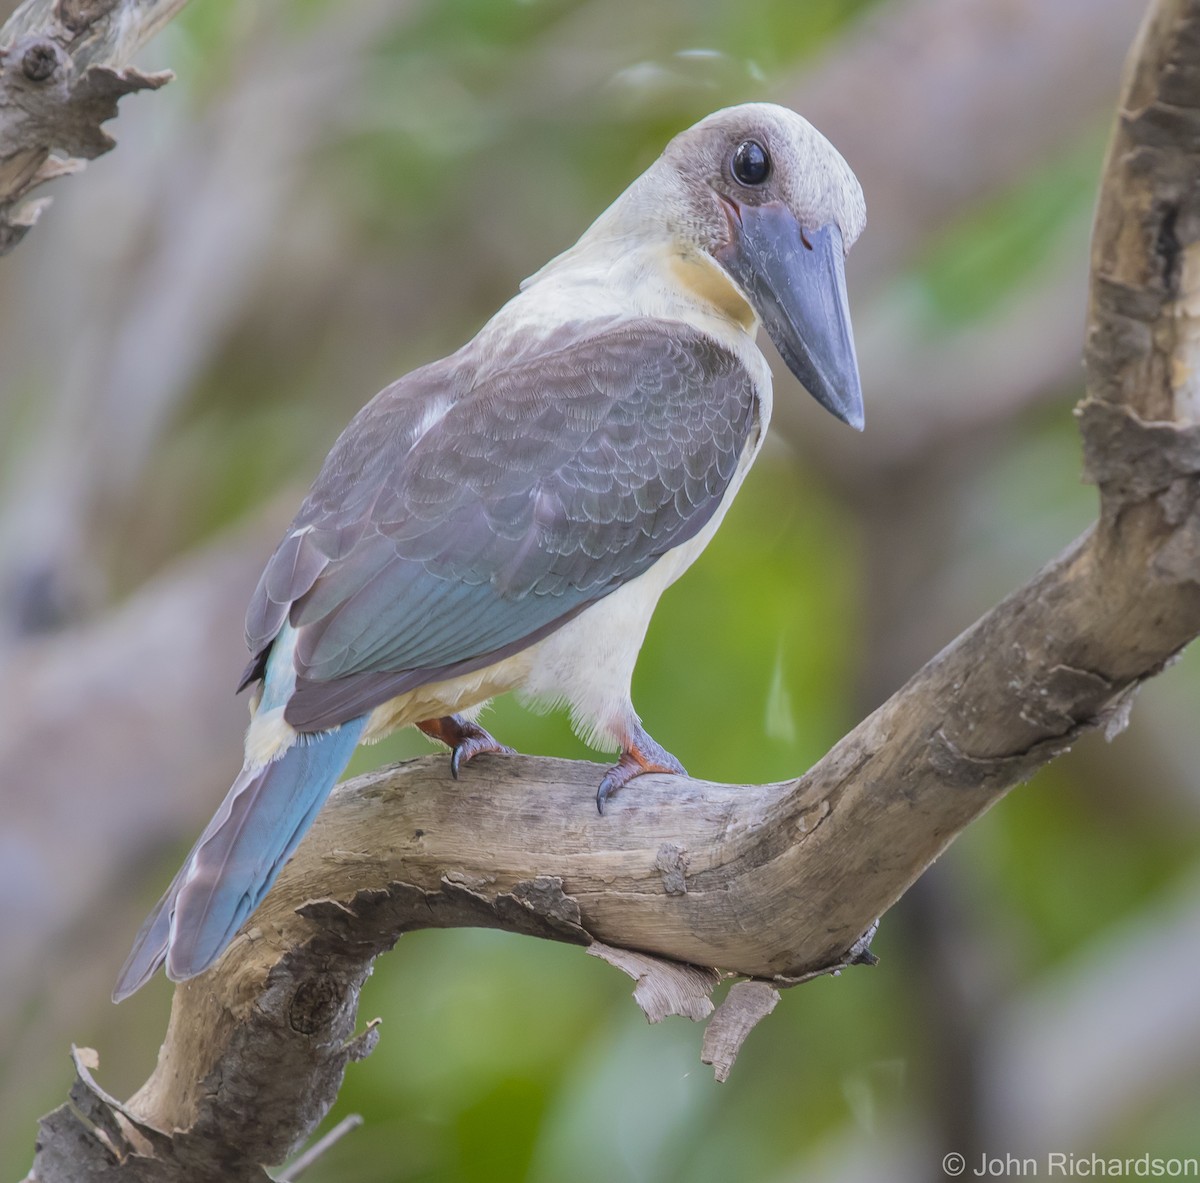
(750, 164)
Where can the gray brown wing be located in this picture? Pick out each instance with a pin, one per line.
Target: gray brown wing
(545, 485)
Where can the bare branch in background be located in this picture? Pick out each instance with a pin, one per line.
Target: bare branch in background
(185, 267)
(781, 880)
(63, 67)
(85, 685)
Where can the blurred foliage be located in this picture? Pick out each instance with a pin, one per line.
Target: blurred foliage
(509, 1059)
(977, 261)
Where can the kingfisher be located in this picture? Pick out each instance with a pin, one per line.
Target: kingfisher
(508, 517)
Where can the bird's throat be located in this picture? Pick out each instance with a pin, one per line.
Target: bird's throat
(704, 280)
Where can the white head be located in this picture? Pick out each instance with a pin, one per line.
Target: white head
(703, 172)
(759, 191)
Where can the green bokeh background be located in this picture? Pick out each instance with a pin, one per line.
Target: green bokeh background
(506, 1059)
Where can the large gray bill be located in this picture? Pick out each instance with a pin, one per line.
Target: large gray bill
(796, 281)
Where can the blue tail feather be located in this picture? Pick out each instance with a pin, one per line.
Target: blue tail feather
(230, 869)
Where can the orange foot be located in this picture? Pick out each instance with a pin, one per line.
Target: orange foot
(465, 739)
(639, 754)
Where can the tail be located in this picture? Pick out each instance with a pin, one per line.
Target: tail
(261, 821)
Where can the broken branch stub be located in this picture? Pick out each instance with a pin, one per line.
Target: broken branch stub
(63, 69)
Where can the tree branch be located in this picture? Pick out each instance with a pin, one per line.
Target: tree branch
(63, 67)
(771, 882)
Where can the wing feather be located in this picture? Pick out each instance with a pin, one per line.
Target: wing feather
(473, 507)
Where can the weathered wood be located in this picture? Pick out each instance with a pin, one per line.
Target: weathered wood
(63, 67)
(774, 882)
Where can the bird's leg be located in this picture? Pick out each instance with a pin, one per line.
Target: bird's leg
(465, 739)
(639, 754)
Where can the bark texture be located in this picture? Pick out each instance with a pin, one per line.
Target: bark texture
(684, 881)
(63, 67)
